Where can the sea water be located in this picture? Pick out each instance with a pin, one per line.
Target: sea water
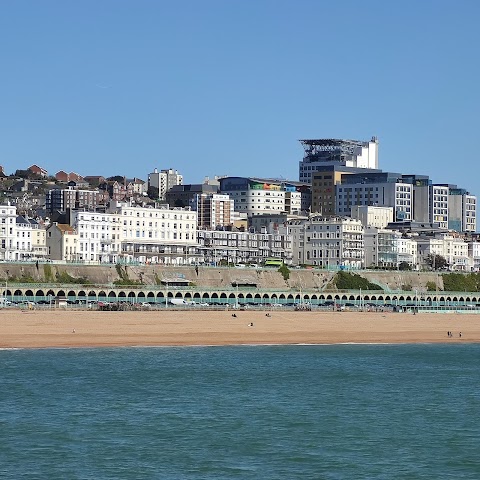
(259, 412)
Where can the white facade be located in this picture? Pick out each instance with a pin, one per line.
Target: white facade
(406, 248)
(158, 235)
(164, 180)
(469, 213)
(328, 242)
(439, 205)
(8, 232)
(20, 238)
(453, 249)
(456, 253)
(257, 202)
(474, 255)
(39, 242)
(293, 202)
(30, 240)
(389, 194)
(381, 247)
(372, 216)
(256, 196)
(98, 236)
(136, 234)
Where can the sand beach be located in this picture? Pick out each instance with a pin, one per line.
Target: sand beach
(60, 328)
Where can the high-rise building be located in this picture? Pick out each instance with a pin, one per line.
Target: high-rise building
(324, 181)
(164, 181)
(346, 153)
(462, 210)
(213, 210)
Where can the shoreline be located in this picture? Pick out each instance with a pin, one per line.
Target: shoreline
(87, 329)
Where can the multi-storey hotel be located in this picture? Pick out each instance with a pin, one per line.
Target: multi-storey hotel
(328, 242)
(158, 235)
(256, 196)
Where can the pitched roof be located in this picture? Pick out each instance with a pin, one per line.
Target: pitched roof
(65, 228)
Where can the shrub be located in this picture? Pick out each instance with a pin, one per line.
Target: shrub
(47, 271)
(285, 272)
(460, 282)
(353, 281)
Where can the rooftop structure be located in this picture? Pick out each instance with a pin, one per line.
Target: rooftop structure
(348, 153)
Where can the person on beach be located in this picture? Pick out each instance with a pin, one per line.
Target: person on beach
(460, 334)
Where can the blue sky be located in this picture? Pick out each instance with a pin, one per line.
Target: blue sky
(228, 87)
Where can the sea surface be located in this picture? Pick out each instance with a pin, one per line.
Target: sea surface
(259, 412)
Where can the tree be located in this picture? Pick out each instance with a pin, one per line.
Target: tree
(436, 262)
(153, 192)
(116, 178)
(23, 174)
(285, 272)
(404, 266)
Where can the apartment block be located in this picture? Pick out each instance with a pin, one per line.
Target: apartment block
(243, 247)
(213, 210)
(164, 180)
(333, 242)
(376, 189)
(462, 210)
(71, 198)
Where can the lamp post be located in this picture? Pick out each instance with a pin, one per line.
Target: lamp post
(6, 284)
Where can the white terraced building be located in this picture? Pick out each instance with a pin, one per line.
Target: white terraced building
(21, 238)
(8, 232)
(332, 242)
(137, 234)
(158, 235)
(98, 237)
